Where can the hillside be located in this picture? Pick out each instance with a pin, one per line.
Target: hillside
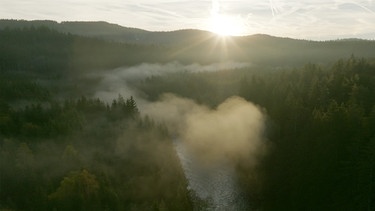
(194, 46)
(93, 115)
(107, 31)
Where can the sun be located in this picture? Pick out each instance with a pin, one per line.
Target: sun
(226, 25)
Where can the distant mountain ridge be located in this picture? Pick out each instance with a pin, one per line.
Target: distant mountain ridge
(106, 31)
(115, 32)
(199, 46)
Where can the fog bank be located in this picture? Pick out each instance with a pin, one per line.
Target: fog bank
(118, 81)
(233, 130)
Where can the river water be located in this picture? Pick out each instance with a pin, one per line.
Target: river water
(215, 183)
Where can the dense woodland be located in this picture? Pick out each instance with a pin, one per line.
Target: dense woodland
(320, 131)
(60, 150)
(65, 152)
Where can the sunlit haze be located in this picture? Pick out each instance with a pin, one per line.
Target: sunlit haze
(187, 105)
(318, 19)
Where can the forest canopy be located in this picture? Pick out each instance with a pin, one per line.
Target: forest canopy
(63, 147)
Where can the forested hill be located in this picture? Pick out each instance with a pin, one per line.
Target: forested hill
(194, 46)
(64, 147)
(63, 152)
(108, 31)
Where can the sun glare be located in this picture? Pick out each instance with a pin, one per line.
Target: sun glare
(226, 25)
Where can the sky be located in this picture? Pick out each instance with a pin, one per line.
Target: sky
(302, 19)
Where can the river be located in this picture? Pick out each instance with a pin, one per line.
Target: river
(215, 183)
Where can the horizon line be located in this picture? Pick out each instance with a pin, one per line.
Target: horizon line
(187, 29)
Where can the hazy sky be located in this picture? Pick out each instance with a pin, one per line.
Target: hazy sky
(314, 19)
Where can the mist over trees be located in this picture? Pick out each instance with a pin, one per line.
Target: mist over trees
(320, 131)
(63, 148)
